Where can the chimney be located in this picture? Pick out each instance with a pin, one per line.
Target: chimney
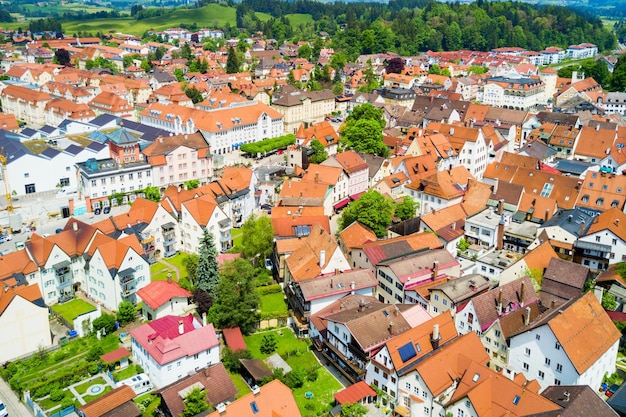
(581, 232)
(352, 285)
(500, 235)
(452, 131)
(169, 277)
(256, 390)
(317, 176)
(221, 408)
(521, 295)
(331, 283)
(206, 372)
(435, 269)
(181, 327)
(396, 310)
(597, 128)
(391, 324)
(75, 226)
(500, 206)
(160, 139)
(204, 319)
(453, 226)
(495, 187)
(566, 396)
(616, 222)
(322, 258)
(527, 316)
(436, 337)
(500, 296)
(547, 216)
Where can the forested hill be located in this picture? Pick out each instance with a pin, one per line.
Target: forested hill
(411, 26)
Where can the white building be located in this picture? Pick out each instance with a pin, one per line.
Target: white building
(170, 348)
(584, 50)
(512, 91)
(574, 345)
(604, 242)
(204, 213)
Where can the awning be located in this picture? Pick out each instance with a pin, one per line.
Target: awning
(168, 226)
(61, 264)
(342, 203)
(402, 410)
(126, 271)
(356, 196)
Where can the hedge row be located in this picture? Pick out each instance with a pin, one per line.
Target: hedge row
(268, 145)
(269, 289)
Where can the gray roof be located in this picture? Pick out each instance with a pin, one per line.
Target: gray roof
(48, 129)
(570, 220)
(50, 153)
(461, 289)
(562, 281)
(73, 149)
(573, 167)
(13, 147)
(329, 285)
(576, 401)
(103, 119)
(537, 149)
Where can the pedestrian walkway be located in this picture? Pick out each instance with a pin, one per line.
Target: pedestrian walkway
(169, 265)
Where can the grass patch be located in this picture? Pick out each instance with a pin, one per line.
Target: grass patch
(89, 398)
(297, 354)
(125, 373)
(150, 402)
(82, 388)
(237, 236)
(48, 404)
(242, 387)
(297, 19)
(73, 309)
(159, 271)
(273, 303)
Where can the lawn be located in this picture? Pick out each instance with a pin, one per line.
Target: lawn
(242, 387)
(297, 19)
(159, 271)
(212, 15)
(297, 354)
(89, 398)
(237, 236)
(273, 303)
(82, 388)
(125, 373)
(72, 309)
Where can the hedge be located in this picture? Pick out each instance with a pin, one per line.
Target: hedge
(269, 289)
(268, 145)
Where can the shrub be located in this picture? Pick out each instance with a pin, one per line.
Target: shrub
(230, 359)
(138, 369)
(270, 289)
(94, 368)
(268, 145)
(295, 378)
(311, 373)
(57, 394)
(59, 356)
(268, 344)
(94, 354)
(105, 321)
(67, 402)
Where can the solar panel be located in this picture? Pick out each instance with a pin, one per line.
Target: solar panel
(407, 352)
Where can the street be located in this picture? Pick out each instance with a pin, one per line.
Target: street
(13, 404)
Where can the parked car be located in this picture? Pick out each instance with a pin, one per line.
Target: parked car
(3, 410)
(611, 390)
(5, 238)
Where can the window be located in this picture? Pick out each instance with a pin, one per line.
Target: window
(407, 386)
(498, 333)
(547, 361)
(540, 374)
(526, 367)
(557, 346)
(426, 411)
(416, 390)
(436, 297)
(488, 339)
(559, 367)
(460, 413)
(527, 351)
(538, 337)
(470, 318)
(557, 381)
(424, 394)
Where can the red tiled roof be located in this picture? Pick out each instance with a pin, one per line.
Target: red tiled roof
(158, 293)
(116, 355)
(354, 393)
(234, 338)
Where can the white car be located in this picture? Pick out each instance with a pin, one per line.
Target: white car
(3, 410)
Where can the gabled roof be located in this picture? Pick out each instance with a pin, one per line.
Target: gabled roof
(337, 283)
(354, 393)
(562, 281)
(575, 401)
(158, 293)
(613, 220)
(381, 250)
(356, 234)
(30, 293)
(350, 161)
(286, 219)
(163, 341)
(110, 401)
(274, 399)
(304, 262)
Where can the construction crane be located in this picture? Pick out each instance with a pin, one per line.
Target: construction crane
(5, 178)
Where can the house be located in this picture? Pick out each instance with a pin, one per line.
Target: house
(484, 309)
(532, 263)
(179, 158)
(298, 194)
(309, 296)
(562, 231)
(23, 321)
(512, 91)
(399, 277)
(359, 392)
(302, 107)
(118, 402)
(355, 169)
(575, 344)
(271, 400)
(440, 190)
(456, 292)
(323, 132)
(26, 104)
(576, 400)
(171, 347)
(562, 281)
(593, 143)
(604, 242)
(162, 298)
(204, 213)
(213, 380)
(601, 191)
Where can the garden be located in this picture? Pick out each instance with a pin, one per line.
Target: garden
(312, 385)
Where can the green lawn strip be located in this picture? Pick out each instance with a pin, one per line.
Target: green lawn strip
(125, 373)
(73, 309)
(48, 404)
(237, 236)
(82, 388)
(273, 303)
(286, 343)
(89, 398)
(150, 409)
(242, 387)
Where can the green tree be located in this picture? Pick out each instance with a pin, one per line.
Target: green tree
(194, 94)
(268, 344)
(230, 359)
(105, 321)
(353, 410)
(372, 209)
(191, 184)
(207, 272)
(152, 193)
(366, 111)
(232, 61)
(190, 263)
(179, 74)
(305, 51)
(125, 312)
(608, 301)
(617, 82)
(320, 154)
(237, 298)
(259, 241)
(620, 269)
(195, 403)
(406, 208)
(364, 135)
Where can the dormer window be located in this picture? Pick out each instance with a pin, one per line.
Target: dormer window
(600, 201)
(585, 198)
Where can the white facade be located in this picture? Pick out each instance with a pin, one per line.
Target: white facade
(182, 164)
(24, 327)
(603, 247)
(218, 223)
(538, 355)
(111, 289)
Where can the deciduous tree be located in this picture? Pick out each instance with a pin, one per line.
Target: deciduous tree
(320, 154)
(125, 312)
(372, 209)
(259, 239)
(405, 209)
(195, 403)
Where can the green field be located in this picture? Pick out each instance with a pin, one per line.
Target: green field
(297, 19)
(211, 15)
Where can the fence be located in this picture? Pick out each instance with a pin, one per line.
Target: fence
(111, 376)
(66, 411)
(33, 405)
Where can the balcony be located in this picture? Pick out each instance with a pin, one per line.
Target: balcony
(64, 283)
(126, 278)
(347, 367)
(169, 239)
(127, 291)
(149, 248)
(146, 238)
(224, 224)
(169, 252)
(168, 226)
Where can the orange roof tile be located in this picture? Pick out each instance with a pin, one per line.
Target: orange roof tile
(30, 293)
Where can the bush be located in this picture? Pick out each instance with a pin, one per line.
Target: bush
(106, 322)
(268, 145)
(138, 369)
(57, 394)
(270, 289)
(94, 354)
(230, 359)
(59, 356)
(94, 368)
(67, 402)
(125, 312)
(311, 373)
(296, 378)
(268, 344)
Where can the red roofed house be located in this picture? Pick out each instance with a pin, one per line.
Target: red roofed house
(359, 392)
(171, 347)
(24, 322)
(119, 355)
(162, 298)
(118, 402)
(234, 338)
